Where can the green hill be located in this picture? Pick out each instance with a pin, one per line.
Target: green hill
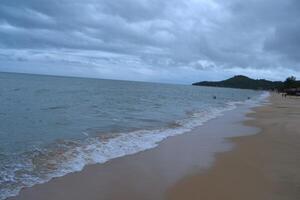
(243, 82)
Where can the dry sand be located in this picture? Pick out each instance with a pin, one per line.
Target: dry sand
(263, 166)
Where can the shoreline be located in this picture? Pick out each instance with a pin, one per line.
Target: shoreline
(262, 166)
(75, 155)
(240, 155)
(151, 172)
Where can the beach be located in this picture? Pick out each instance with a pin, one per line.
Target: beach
(257, 159)
(149, 100)
(262, 166)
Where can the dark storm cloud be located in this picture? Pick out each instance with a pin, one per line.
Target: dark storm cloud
(153, 39)
(279, 23)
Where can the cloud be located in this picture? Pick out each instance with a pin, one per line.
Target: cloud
(154, 40)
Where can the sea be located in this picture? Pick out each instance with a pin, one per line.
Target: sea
(51, 126)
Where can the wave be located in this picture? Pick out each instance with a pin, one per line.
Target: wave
(69, 156)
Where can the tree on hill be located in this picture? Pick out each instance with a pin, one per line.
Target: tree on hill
(290, 82)
(244, 82)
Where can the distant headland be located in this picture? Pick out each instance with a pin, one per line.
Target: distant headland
(244, 82)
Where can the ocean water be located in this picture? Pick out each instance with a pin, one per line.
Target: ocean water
(51, 126)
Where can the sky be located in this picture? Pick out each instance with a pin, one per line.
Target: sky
(175, 41)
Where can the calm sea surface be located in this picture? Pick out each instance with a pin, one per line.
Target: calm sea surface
(50, 126)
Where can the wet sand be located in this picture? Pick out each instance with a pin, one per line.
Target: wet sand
(260, 166)
(263, 166)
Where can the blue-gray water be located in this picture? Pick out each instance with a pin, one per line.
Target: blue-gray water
(50, 126)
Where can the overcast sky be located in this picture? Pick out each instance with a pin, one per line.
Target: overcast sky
(178, 41)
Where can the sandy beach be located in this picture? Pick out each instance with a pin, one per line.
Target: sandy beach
(261, 163)
(149, 100)
(262, 166)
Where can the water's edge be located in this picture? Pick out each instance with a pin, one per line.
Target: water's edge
(95, 151)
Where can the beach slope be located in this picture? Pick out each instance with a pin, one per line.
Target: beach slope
(262, 166)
